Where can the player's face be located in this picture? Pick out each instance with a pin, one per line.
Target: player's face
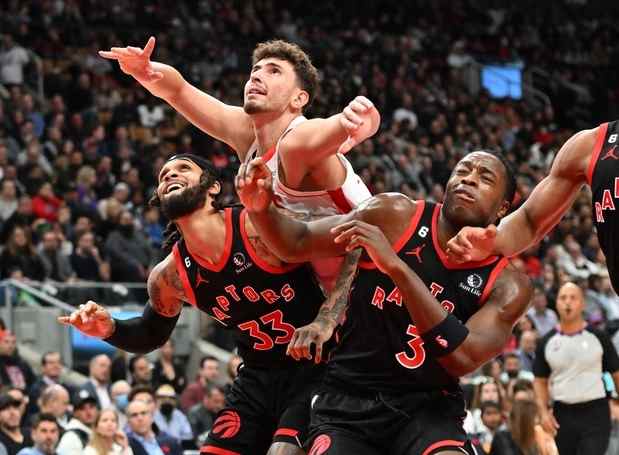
(272, 87)
(179, 189)
(475, 191)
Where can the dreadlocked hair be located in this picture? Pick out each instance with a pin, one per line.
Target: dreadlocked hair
(171, 233)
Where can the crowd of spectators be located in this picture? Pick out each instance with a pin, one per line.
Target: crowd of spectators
(81, 143)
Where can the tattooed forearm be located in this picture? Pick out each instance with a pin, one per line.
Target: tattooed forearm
(331, 311)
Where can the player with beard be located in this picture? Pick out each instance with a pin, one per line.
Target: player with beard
(416, 322)
(218, 265)
(312, 177)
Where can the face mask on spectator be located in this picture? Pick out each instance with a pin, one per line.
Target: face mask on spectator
(167, 409)
(121, 402)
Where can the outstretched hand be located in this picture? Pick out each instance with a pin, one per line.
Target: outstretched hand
(361, 120)
(135, 61)
(472, 244)
(254, 185)
(91, 319)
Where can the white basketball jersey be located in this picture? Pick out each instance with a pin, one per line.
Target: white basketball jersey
(316, 204)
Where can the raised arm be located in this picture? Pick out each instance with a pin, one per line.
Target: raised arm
(544, 208)
(142, 334)
(226, 123)
(315, 140)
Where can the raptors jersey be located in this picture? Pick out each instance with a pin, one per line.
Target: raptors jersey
(380, 349)
(262, 303)
(316, 204)
(603, 177)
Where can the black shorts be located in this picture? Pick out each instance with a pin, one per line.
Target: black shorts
(420, 423)
(264, 406)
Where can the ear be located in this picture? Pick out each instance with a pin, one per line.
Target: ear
(503, 209)
(300, 100)
(215, 189)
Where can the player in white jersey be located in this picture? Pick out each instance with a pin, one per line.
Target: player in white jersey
(312, 174)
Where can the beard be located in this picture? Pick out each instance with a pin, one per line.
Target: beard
(253, 107)
(183, 203)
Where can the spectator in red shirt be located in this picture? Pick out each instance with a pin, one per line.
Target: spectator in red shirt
(45, 204)
(194, 393)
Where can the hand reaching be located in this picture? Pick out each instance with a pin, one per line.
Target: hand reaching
(135, 61)
(472, 244)
(91, 319)
(361, 120)
(254, 185)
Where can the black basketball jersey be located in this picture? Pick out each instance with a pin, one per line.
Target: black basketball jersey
(380, 349)
(603, 177)
(262, 303)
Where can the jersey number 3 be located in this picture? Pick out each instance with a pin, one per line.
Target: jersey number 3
(416, 345)
(264, 341)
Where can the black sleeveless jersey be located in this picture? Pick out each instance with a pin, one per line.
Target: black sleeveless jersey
(262, 303)
(603, 177)
(380, 349)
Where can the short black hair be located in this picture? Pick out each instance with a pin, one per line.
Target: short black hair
(489, 405)
(44, 356)
(44, 417)
(510, 174)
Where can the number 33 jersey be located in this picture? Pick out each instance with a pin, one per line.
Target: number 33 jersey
(262, 303)
(380, 349)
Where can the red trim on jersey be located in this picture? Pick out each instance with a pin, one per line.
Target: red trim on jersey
(405, 237)
(227, 248)
(182, 272)
(597, 148)
(268, 155)
(339, 199)
(496, 271)
(217, 451)
(286, 432)
(443, 256)
(441, 444)
(254, 256)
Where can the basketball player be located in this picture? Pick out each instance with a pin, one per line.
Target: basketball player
(416, 321)
(311, 177)
(219, 266)
(589, 157)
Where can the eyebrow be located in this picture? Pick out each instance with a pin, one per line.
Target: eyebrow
(161, 173)
(258, 66)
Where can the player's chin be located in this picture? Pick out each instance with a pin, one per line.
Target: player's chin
(463, 214)
(253, 107)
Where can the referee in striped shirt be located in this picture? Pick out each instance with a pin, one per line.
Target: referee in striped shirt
(568, 369)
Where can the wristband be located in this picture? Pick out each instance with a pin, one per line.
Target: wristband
(445, 337)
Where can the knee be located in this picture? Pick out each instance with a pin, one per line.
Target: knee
(283, 448)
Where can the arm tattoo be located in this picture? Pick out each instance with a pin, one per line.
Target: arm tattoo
(335, 304)
(166, 303)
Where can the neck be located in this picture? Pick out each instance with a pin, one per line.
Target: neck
(446, 230)
(572, 326)
(204, 232)
(269, 127)
(14, 433)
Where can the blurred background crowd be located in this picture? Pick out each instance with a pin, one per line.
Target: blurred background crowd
(81, 145)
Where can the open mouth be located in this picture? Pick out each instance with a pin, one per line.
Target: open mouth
(174, 187)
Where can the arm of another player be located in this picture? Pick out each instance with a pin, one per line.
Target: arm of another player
(459, 348)
(320, 330)
(543, 209)
(290, 239)
(142, 334)
(317, 139)
(227, 123)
